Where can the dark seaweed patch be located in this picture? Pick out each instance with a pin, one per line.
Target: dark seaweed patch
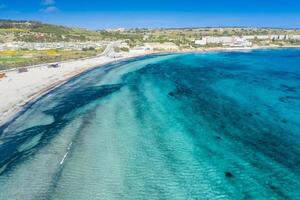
(218, 138)
(228, 175)
(282, 99)
(249, 114)
(171, 94)
(287, 88)
(9, 149)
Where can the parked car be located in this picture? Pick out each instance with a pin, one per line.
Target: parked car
(54, 65)
(22, 70)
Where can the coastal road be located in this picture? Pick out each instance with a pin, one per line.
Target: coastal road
(109, 50)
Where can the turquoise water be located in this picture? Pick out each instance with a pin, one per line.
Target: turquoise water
(220, 125)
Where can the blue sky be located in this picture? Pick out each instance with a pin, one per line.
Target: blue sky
(155, 13)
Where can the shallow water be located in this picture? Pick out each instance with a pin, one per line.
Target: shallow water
(221, 125)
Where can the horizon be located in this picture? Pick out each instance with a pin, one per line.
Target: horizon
(155, 14)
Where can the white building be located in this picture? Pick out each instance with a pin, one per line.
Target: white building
(241, 42)
(166, 46)
(201, 42)
(279, 37)
(226, 41)
(124, 45)
(295, 37)
(262, 37)
(140, 49)
(271, 37)
(115, 29)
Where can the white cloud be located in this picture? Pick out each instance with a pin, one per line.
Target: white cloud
(2, 6)
(48, 2)
(49, 6)
(49, 9)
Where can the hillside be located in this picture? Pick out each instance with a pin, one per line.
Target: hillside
(184, 38)
(32, 31)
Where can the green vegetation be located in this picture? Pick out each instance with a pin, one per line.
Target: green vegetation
(21, 58)
(31, 31)
(123, 49)
(185, 37)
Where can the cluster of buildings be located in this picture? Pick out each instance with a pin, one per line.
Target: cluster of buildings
(166, 46)
(233, 41)
(45, 46)
(155, 46)
(242, 41)
(272, 37)
(115, 29)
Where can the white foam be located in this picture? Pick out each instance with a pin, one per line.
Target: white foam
(63, 160)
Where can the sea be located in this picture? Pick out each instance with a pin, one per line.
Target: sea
(214, 125)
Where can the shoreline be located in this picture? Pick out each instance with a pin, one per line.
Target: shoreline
(220, 49)
(17, 90)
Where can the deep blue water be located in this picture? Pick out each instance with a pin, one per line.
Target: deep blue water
(219, 125)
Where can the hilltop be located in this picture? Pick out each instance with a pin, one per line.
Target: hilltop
(33, 31)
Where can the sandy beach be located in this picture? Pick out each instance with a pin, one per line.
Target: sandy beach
(17, 89)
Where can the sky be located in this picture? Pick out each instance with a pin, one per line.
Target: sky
(101, 14)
